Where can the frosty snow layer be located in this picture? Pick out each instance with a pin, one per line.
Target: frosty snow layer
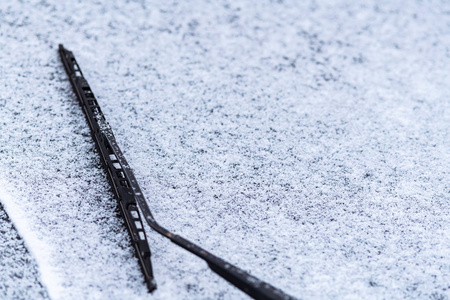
(19, 274)
(306, 143)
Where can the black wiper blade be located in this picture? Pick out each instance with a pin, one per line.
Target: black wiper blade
(119, 174)
(129, 195)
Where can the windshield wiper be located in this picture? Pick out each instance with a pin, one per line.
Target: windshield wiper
(129, 195)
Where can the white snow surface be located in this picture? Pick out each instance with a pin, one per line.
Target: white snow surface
(19, 273)
(305, 142)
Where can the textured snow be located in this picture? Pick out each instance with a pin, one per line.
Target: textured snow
(307, 143)
(19, 274)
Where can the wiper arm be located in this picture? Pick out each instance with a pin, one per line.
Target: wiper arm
(129, 195)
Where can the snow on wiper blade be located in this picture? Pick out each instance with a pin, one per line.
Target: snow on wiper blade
(129, 195)
(117, 168)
